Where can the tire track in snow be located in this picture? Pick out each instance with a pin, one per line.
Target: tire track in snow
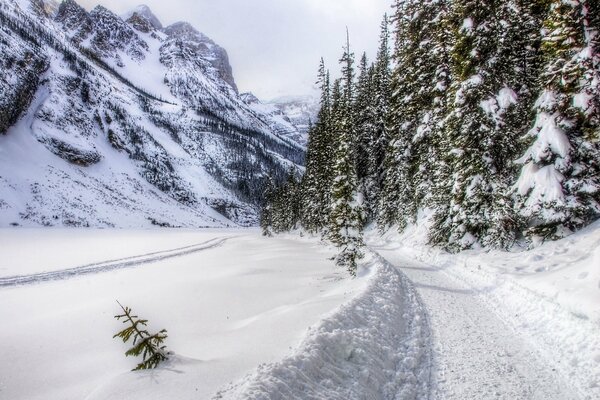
(110, 265)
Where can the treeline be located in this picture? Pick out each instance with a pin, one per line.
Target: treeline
(489, 119)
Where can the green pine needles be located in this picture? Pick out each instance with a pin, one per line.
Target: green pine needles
(149, 347)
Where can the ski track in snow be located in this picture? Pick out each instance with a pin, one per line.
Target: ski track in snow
(110, 265)
(477, 352)
(375, 347)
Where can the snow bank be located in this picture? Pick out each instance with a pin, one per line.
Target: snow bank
(375, 347)
(550, 294)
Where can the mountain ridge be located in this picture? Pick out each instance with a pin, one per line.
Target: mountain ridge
(108, 147)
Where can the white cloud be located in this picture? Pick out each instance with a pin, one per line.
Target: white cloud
(274, 45)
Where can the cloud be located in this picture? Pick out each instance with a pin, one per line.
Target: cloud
(274, 45)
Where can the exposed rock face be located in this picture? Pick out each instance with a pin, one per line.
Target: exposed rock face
(44, 8)
(300, 110)
(21, 69)
(101, 31)
(145, 12)
(201, 46)
(249, 98)
(140, 23)
(75, 20)
(290, 117)
(112, 34)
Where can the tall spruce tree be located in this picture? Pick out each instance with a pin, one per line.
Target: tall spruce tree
(363, 121)
(316, 181)
(382, 92)
(478, 144)
(346, 217)
(559, 185)
(419, 83)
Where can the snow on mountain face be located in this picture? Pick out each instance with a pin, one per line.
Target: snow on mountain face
(300, 110)
(101, 31)
(145, 12)
(287, 121)
(204, 48)
(87, 140)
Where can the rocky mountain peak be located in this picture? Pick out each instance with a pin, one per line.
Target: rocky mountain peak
(74, 18)
(111, 34)
(140, 23)
(144, 12)
(44, 8)
(202, 47)
(249, 98)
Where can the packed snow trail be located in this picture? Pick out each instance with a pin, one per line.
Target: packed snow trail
(110, 265)
(375, 347)
(477, 354)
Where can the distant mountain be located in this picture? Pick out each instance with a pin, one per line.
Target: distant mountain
(300, 110)
(277, 119)
(117, 121)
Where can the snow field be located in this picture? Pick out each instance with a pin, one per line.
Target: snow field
(227, 310)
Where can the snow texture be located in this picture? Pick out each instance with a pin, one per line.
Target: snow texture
(520, 325)
(229, 307)
(375, 347)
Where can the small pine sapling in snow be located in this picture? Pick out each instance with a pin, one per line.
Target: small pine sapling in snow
(150, 347)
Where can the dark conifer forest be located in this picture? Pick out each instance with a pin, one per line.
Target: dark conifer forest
(483, 115)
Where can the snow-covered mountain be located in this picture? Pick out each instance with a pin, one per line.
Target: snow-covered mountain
(277, 119)
(112, 121)
(301, 111)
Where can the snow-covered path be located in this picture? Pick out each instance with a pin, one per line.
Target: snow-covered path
(477, 354)
(109, 265)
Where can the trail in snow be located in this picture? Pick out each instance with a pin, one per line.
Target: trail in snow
(477, 354)
(110, 265)
(375, 347)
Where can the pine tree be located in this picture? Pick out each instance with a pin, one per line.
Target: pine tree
(346, 217)
(316, 181)
(559, 186)
(363, 114)
(150, 347)
(419, 83)
(479, 144)
(382, 92)
(266, 215)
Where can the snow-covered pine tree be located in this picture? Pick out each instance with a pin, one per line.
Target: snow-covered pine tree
(382, 93)
(396, 186)
(419, 83)
(346, 217)
(559, 185)
(477, 139)
(266, 215)
(310, 217)
(150, 347)
(518, 51)
(316, 196)
(363, 114)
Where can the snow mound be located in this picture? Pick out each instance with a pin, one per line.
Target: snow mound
(376, 346)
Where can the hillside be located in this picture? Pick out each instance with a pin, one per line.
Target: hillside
(119, 122)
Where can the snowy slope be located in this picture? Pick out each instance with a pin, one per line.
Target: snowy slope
(301, 111)
(277, 119)
(107, 122)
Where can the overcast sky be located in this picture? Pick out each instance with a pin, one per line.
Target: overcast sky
(274, 45)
